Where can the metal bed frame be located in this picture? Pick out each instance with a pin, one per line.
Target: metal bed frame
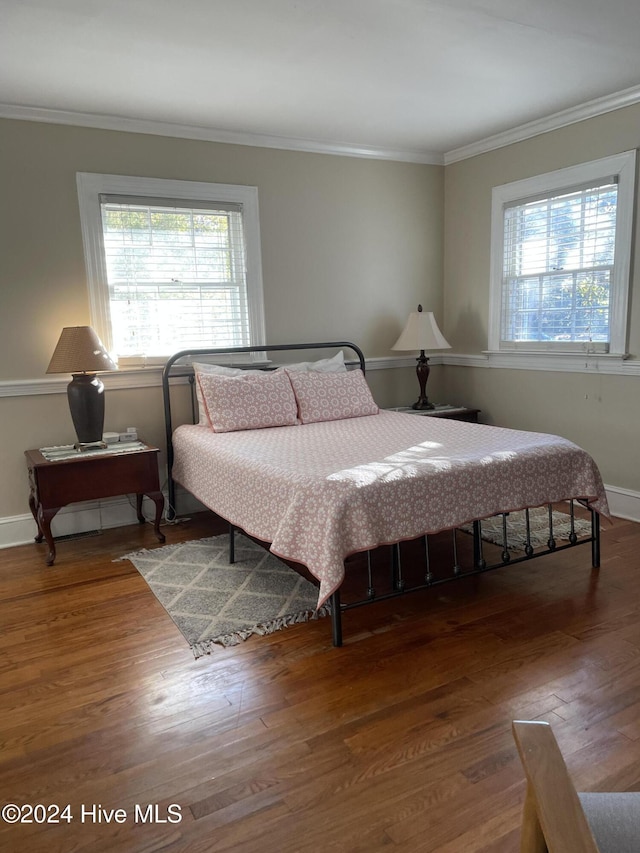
(397, 584)
(170, 371)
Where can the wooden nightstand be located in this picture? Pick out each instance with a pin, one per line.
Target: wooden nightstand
(102, 474)
(454, 413)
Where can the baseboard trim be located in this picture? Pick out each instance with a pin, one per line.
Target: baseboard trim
(118, 512)
(87, 516)
(623, 503)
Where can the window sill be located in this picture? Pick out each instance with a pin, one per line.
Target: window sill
(604, 363)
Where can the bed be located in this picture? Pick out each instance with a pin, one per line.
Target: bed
(350, 478)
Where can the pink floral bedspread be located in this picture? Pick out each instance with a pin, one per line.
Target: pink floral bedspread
(319, 492)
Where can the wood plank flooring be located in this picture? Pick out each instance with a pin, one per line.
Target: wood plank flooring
(398, 741)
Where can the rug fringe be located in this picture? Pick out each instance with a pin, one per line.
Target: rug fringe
(146, 552)
(205, 647)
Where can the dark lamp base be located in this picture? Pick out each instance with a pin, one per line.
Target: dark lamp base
(90, 445)
(422, 404)
(86, 404)
(422, 371)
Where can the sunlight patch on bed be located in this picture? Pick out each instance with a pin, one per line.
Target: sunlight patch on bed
(415, 452)
(398, 466)
(498, 456)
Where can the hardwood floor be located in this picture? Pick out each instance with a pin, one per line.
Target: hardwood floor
(398, 741)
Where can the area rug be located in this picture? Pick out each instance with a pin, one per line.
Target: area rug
(538, 526)
(215, 603)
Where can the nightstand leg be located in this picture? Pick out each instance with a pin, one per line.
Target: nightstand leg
(158, 499)
(43, 519)
(141, 517)
(33, 506)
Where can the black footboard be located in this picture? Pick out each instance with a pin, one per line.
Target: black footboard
(525, 550)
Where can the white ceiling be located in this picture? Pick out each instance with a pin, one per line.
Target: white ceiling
(414, 78)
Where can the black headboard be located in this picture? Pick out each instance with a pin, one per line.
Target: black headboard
(173, 370)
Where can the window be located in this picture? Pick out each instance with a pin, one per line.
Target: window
(560, 259)
(171, 265)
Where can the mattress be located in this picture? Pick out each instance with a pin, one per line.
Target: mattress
(319, 492)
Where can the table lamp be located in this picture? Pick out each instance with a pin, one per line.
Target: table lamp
(421, 333)
(81, 353)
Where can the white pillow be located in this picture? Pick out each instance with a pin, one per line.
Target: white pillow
(335, 364)
(217, 370)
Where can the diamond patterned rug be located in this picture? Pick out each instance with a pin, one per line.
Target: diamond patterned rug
(214, 602)
(538, 528)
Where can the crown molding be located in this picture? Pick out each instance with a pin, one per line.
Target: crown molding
(210, 134)
(555, 121)
(589, 109)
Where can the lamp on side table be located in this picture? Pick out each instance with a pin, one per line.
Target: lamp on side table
(81, 353)
(421, 333)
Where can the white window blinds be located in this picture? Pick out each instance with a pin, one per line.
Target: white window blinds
(558, 263)
(176, 274)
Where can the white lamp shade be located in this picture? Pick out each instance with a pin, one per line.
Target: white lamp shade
(421, 333)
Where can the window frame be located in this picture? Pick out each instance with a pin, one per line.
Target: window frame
(620, 166)
(91, 186)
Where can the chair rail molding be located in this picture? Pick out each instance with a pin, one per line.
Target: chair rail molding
(613, 365)
(150, 377)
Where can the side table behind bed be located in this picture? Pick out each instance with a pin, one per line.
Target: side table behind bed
(58, 482)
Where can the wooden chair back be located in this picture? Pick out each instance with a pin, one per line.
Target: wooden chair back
(553, 819)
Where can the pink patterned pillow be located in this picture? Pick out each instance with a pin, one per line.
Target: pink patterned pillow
(332, 396)
(220, 370)
(248, 402)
